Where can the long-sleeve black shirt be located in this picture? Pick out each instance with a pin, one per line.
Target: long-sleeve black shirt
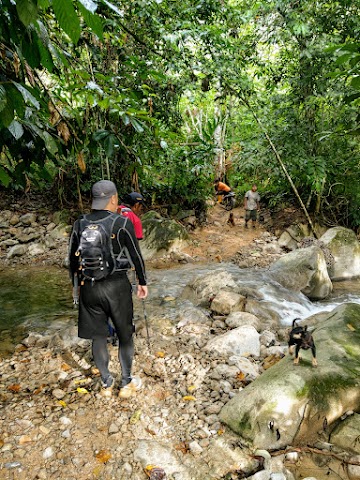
(124, 236)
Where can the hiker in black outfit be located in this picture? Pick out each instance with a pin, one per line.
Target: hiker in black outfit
(110, 296)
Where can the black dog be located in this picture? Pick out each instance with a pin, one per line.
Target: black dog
(299, 338)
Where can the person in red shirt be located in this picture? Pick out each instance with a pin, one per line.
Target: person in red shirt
(131, 207)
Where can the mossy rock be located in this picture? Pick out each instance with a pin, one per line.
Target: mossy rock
(161, 235)
(300, 400)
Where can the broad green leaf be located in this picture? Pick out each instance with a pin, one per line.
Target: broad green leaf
(16, 129)
(46, 58)
(67, 18)
(28, 97)
(2, 97)
(50, 143)
(17, 100)
(92, 21)
(136, 124)
(4, 177)
(27, 11)
(355, 82)
(100, 135)
(109, 143)
(30, 50)
(43, 4)
(351, 98)
(343, 58)
(7, 113)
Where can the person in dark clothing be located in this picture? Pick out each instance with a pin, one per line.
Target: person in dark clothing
(110, 297)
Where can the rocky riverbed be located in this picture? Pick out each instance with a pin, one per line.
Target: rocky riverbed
(55, 423)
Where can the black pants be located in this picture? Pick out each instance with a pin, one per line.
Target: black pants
(109, 298)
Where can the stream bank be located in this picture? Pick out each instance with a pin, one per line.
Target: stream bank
(55, 424)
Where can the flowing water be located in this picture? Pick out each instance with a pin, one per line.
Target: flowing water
(39, 298)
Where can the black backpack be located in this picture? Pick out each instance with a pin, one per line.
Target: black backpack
(96, 257)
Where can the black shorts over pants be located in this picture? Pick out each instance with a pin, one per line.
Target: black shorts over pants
(104, 299)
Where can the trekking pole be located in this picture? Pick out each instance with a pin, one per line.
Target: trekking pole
(76, 291)
(147, 326)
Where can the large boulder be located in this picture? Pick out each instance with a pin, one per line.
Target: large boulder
(241, 341)
(161, 235)
(305, 271)
(289, 404)
(345, 249)
(204, 288)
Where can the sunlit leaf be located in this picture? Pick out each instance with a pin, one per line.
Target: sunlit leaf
(135, 417)
(160, 354)
(67, 18)
(27, 11)
(189, 398)
(82, 390)
(103, 456)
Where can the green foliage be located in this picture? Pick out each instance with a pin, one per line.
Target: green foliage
(152, 94)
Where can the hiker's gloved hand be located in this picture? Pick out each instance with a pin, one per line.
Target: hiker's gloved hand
(142, 291)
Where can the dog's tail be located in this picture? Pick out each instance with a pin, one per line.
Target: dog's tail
(294, 323)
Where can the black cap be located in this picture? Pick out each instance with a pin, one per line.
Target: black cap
(133, 198)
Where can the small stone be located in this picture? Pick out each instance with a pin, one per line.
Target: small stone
(44, 430)
(66, 434)
(113, 428)
(58, 393)
(24, 439)
(195, 448)
(65, 420)
(10, 465)
(48, 453)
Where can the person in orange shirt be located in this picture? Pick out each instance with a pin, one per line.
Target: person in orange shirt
(221, 188)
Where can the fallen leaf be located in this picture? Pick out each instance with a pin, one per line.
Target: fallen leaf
(240, 376)
(221, 431)
(191, 388)
(150, 431)
(14, 388)
(160, 354)
(189, 398)
(82, 390)
(103, 456)
(62, 403)
(350, 327)
(98, 471)
(65, 367)
(183, 447)
(80, 160)
(39, 389)
(135, 417)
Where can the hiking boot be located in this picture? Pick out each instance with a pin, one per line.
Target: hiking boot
(131, 388)
(107, 387)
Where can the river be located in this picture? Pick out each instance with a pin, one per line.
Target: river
(39, 298)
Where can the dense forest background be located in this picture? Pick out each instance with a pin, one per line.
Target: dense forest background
(163, 97)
